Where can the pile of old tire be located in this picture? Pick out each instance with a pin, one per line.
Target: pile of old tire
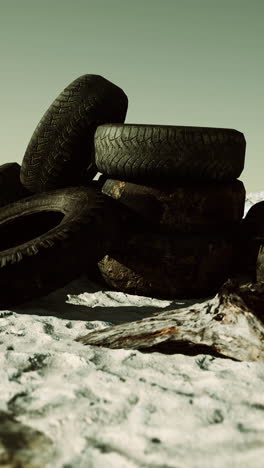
(54, 221)
(183, 206)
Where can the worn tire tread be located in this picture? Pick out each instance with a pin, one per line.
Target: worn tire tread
(147, 153)
(64, 136)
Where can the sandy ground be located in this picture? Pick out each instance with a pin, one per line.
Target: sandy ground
(121, 408)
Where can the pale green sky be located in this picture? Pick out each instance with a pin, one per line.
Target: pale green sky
(180, 62)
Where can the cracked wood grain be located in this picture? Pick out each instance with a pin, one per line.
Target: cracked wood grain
(229, 325)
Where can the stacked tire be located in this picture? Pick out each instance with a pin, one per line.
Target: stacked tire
(161, 221)
(55, 223)
(182, 203)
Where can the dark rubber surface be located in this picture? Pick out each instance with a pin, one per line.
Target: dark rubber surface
(159, 153)
(251, 238)
(48, 239)
(169, 266)
(208, 207)
(253, 223)
(11, 188)
(62, 145)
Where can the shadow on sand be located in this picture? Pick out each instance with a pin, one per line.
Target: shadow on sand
(54, 304)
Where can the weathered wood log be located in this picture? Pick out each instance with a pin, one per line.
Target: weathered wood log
(224, 326)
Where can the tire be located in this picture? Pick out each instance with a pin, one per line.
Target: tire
(183, 266)
(250, 240)
(11, 188)
(253, 223)
(49, 239)
(197, 208)
(154, 153)
(62, 145)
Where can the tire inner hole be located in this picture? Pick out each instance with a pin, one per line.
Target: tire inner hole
(27, 227)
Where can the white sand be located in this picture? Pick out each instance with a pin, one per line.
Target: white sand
(119, 408)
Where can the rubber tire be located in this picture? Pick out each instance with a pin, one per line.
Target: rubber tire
(154, 153)
(11, 188)
(253, 223)
(62, 145)
(250, 239)
(178, 266)
(197, 208)
(38, 256)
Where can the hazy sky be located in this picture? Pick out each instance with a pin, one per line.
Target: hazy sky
(180, 62)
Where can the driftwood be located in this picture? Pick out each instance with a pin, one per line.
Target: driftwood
(225, 326)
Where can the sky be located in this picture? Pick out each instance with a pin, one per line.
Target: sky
(180, 62)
